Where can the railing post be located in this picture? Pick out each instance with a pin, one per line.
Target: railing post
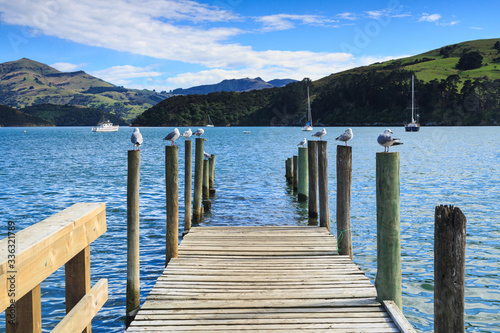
(207, 204)
(198, 179)
(449, 269)
(303, 174)
(344, 179)
(324, 209)
(313, 179)
(28, 314)
(172, 191)
(212, 175)
(133, 273)
(188, 177)
(388, 279)
(77, 276)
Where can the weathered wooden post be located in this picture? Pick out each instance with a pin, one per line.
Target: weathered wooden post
(207, 204)
(289, 170)
(388, 280)
(303, 185)
(295, 182)
(188, 176)
(212, 175)
(313, 178)
(27, 313)
(449, 269)
(133, 276)
(344, 179)
(324, 209)
(198, 179)
(172, 190)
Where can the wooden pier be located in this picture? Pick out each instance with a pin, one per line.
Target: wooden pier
(265, 279)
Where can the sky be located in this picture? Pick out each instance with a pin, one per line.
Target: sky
(169, 44)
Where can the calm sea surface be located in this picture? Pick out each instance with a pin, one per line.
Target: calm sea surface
(45, 170)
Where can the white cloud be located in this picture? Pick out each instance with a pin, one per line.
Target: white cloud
(120, 75)
(476, 28)
(68, 67)
(429, 17)
(286, 21)
(347, 16)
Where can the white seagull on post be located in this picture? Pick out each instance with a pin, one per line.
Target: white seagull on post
(172, 136)
(187, 134)
(346, 136)
(136, 138)
(199, 132)
(320, 134)
(302, 143)
(386, 140)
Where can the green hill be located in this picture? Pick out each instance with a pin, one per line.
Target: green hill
(378, 94)
(12, 117)
(26, 82)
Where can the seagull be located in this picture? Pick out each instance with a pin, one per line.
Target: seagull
(302, 143)
(386, 140)
(172, 136)
(187, 134)
(136, 138)
(199, 132)
(320, 134)
(207, 155)
(346, 136)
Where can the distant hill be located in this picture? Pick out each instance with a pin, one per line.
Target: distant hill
(237, 85)
(71, 115)
(12, 117)
(378, 94)
(26, 82)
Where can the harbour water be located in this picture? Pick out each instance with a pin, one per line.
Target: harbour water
(45, 170)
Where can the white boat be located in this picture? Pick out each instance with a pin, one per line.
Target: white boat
(105, 126)
(210, 124)
(414, 126)
(308, 126)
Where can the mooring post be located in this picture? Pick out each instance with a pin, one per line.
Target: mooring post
(324, 209)
(289, 170)
(212, 175)
(172, 190)
(198, 179)
(449, 269)
(188, 181)
(303, 174)
(295, 181)
(388, 280)
(207, 204)
(313, 178)
(133, 276)
(344, 179)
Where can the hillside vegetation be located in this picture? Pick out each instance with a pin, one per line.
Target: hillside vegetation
(370, 95)
(12, 117)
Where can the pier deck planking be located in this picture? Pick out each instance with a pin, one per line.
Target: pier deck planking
(265, 279)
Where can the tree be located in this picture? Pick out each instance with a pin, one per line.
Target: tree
(470, 60)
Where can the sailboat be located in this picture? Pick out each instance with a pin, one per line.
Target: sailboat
(308, 126)
(210, 124)
(414, 126)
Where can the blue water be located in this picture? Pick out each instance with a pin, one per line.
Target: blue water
(45, 170)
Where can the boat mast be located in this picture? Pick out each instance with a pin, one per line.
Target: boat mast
(309, 117)
(412, 98)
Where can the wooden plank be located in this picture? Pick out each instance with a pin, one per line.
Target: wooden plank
(47, 245)
(77, 280)
(82, 313)
(398, 317)
(27, 316)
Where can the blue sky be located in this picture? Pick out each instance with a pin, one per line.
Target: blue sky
(168, 44)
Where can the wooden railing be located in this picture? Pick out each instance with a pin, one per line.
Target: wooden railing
(31, 255)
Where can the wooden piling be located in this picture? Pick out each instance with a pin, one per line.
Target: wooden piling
(133, 276)
(198, 180)
(188, 182)
(289, 170)
(313, 179)
(172, 190)
(344, 179)
(212, 175)
(303, 185)
(388, 280)
(449, 269)
(324, 209)
(207, 204)
(295, 180)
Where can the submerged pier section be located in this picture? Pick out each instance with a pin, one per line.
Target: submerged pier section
(279, 279)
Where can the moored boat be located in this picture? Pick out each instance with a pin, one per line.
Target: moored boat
(413, 126)
(308, 126)
(105, 126)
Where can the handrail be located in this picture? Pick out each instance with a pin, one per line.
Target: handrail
(31, 255)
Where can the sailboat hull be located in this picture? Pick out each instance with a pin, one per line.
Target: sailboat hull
(412, 128)
(307, 128)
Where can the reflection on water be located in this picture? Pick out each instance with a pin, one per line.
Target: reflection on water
(46, 170)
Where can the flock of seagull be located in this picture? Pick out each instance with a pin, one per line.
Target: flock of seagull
(385, 138)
